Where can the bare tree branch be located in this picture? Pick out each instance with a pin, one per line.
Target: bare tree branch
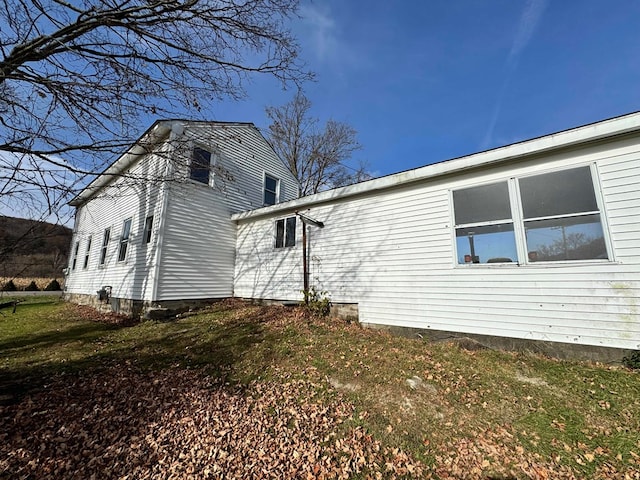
(317, 157)
(76, 77)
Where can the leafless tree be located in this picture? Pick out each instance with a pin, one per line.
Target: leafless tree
(76, 78)
(317, 156)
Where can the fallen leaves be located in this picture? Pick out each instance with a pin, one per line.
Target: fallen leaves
(178, 423)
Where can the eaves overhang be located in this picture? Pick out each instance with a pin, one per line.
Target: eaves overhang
(606, 129)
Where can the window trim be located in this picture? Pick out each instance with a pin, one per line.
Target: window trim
(276, 193)
(285, 241)
(106, 238)
(85, 265)
(518, 221)
(191, 162)
(74, 259)
(125, 236)
(147, 232)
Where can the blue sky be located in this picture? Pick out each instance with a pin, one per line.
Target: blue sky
(423, 82)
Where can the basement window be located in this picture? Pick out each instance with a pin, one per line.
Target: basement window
(200, 165)
(286, 232)
(87, 253)
(124, 240)
(556, 218)
(271, 190)
(105, 245)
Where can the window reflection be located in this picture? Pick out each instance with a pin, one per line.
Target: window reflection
(572, 238)
(486, 244)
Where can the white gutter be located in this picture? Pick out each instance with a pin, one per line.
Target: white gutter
(580, 135)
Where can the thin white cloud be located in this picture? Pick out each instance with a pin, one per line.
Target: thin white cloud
(322, 29)
(529, 21)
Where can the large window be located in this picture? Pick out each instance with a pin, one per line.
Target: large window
(200, 165)
(484, 224)
(558, 219)
(286, 232)
(124, 240)
(87, 253)
(105, 245)
(271, 190)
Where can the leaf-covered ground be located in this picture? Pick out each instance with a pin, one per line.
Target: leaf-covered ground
(264, 392)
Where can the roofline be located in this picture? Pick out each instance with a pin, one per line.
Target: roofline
(155, 133)
(584, 134)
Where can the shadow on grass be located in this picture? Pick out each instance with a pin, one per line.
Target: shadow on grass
(211, 342)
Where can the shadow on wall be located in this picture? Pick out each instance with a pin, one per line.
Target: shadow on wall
(341, 261)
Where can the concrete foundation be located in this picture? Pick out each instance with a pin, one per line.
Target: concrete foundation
(565, 351)
(349, 312)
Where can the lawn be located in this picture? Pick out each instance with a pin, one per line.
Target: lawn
(240, 391)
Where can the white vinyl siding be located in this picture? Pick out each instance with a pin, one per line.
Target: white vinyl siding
(393, 253)
(129, 197)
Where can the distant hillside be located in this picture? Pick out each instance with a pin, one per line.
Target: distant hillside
(30, 248)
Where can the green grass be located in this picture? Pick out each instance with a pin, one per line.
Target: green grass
(514, 408)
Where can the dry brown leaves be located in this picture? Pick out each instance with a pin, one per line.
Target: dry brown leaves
(86, 312)
(126, 424)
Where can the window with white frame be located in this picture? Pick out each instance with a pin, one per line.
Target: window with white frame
(124, 240)
(200, 166)
(556, 218)
(74, 260)
(105, 245)
(148, 229)
(271, 190)
(87, 253)
(286, 232)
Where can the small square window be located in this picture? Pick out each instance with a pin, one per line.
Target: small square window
(200, 165)
(271, 187)
(286, 232)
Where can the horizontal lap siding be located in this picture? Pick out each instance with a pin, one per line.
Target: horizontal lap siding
(199, 244)
(393, 254)
(125, 198)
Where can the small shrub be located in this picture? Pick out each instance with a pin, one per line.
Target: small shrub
(32, 287)
(317, 303)
(632, 360)
(9, 287)
(53, 286)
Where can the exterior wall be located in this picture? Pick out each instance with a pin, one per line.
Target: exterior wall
(198, 243)
(127, 197)
(392, 253)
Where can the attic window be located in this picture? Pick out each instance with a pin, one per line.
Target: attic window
(286, 232)
(557, 219)
(200, 165)
(271, 190)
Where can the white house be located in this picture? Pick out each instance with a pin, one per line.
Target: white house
(535, 245)
(156, 225)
